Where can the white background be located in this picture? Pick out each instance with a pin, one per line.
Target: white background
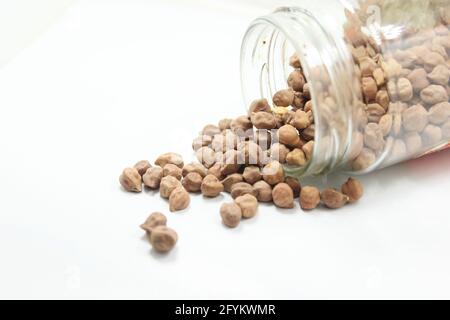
(113, 82)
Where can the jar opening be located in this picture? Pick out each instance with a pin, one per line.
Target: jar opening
(266, 50)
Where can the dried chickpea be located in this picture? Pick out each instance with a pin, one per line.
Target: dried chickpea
(242, 188)
(179, 199)
(192, 182)
(231, 180)
(248, 204)
(225, 124)
(440, 75)
(415, 118)
(370, 88)
(432, 134)
(405, 89)
(211, 186)
(283, 196)
(309, 198)
(279, 152)
(152, 178)
(289, 136)
(263, 191)
(210, 130)
(195, 167)
(252, 174)
(156, 219)
(168, 184)
(308, 149)
(231, 214)
(365, 159)
(216, 170)
(418, 79)
(301, 120)
(413, 142)
(170, 157)
(264, 120)
(353, 189)
(241, 124)
(296, 158)
(294, 62)
(273, 173)
(295, 185)
(373, 136)
(284, 98)
(163, 239)
(142, 167)
(434, 94)
(333, 199)
(439, 113)
(172, 170)
(202, 141)
(261, 105)
(206, 156)
(131, 180)
(296, 80)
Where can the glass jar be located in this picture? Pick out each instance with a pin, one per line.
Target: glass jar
(378, 76)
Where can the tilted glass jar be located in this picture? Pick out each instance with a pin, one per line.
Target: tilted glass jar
(378, 74)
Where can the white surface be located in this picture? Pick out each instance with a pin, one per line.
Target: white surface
(116, 82)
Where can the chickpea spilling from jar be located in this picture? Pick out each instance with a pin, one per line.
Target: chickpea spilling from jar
(245, 157)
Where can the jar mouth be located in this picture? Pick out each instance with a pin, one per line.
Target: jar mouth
(268, 44)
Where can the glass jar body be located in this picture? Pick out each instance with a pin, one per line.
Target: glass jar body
(378, 76)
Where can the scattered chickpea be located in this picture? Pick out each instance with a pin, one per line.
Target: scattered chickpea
(242, 188)
(202, 141)
(231, 214)
(248, 204)
(152, 178)
(163, 239)
(192, 182)
(168, 184)
(231, 180)
(273, 173)
(216, 170)
(353, 189)
(131, 180)
(172, 170)
(225, 124)
(179, 199)
(173, 158)
(211, 130)
(142, 167)
(206, 156)
(156, 219)
(195, 167)
(295, 185)
(279, 152)
(263, 191)
(309, 198)
(283, 196)
(333, 199)
(211, 186)
(252, 174)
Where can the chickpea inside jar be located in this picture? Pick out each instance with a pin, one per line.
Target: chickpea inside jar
(353, 86)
